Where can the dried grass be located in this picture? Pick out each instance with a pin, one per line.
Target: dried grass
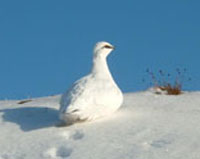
(163, 83)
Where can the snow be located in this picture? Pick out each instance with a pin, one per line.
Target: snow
(148, 126)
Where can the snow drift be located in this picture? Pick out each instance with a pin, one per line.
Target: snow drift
(147, 126)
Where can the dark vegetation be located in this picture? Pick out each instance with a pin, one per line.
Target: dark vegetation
(168, 83)
(24, 101)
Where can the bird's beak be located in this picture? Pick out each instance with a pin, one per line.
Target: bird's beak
(113, 47)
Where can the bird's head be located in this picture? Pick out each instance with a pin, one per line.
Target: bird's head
(103, 49)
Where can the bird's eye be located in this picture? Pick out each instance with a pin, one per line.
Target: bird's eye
(108, 47)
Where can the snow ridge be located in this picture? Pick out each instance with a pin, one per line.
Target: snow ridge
(148, 126)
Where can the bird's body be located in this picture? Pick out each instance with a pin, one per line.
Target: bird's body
(95, 95)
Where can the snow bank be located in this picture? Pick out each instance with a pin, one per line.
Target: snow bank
(148, 126)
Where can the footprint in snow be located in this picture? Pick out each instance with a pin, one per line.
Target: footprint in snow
(163, 141)
(58, 153)
(76, 135)
(160, 143)
(64, 152)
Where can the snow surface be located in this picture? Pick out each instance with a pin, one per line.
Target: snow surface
(148, 126)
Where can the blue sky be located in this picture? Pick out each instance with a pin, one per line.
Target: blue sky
(46, 45)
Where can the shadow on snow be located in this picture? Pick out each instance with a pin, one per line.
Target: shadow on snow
(31, 118)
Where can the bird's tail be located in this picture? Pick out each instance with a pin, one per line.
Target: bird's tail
(70, 119)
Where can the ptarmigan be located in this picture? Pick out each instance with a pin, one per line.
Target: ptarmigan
(93, 96)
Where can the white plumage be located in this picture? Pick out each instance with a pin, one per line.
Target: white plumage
(95, 95)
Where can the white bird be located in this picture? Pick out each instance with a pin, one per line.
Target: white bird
(93, 96)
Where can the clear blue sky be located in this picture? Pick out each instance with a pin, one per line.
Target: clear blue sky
(45, 45)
